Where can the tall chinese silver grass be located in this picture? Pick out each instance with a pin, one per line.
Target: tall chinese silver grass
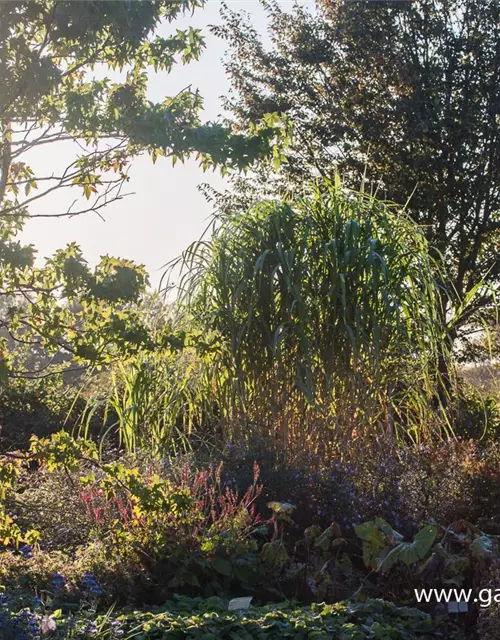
(322, 320)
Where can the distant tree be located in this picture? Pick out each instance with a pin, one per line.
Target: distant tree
(404, 93)
(53, 60)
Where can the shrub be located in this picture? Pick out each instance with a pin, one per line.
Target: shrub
(430, 482)
(444, 482)
(488, 623)
(29, 407)
(41, 407)
(146, 530)
(143, 535)
(478, 413)
(50, 502)
(198, 534)
(321, 491)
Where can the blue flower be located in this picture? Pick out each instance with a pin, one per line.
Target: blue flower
(90, 584)
(26, 551)
(58, 581)
(26, 625)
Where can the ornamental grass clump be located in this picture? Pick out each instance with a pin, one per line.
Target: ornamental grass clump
(320, 320)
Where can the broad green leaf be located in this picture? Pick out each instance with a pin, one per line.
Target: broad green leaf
(274, 554)
(410, 552)
(281, 507)
(222, 565)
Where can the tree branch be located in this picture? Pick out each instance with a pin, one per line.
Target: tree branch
(5, 160)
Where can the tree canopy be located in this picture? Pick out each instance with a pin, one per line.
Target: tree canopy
(55, 58)
(404, 94)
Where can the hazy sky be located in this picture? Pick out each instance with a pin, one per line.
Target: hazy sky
(166, 211)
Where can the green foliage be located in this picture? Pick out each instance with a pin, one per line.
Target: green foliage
(62, 451)
(146, 534)
(59, 49)
(149, 405)
(403, 94)
(383, 547)
(154, 400)
(52, 70)
(10, 532)
(452, 556)
(196, 619)
(411, 552)
(318, 318)
(478, 413)
(83, 314)
(376, 537)
(41, 406)
(274, 555)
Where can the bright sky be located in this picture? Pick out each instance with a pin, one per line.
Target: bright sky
(166, 211)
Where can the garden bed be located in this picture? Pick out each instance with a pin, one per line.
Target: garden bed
(195, 618)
